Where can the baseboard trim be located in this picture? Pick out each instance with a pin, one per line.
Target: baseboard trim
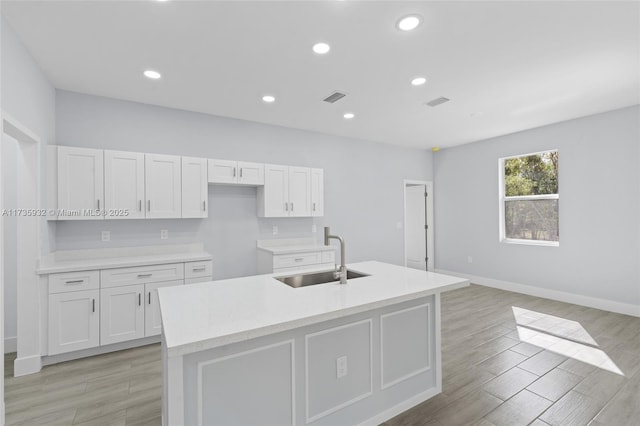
(560, 296)
(69, 356)
(10, 345)
(400, 408)
(27, 365)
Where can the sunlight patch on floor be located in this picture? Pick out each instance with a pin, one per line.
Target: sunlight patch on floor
(562, 336)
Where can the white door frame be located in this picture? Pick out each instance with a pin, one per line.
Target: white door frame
(430, 221)
(28, 248)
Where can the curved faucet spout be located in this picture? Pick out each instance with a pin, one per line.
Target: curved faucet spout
(343, 266)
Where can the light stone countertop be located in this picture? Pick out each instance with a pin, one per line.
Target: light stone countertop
(123, 257)
(201, 316)
(292, 245)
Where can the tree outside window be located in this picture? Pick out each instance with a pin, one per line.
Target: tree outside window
(529, 198)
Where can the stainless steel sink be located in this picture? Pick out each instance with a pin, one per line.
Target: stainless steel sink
(312, 278)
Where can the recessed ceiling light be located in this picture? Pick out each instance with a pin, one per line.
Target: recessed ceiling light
(349, 115)
(269, 98)
(418, 81)
(321, 48)
(154, 75)
(409, 22)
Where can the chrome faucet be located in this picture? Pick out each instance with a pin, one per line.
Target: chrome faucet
(342, 273)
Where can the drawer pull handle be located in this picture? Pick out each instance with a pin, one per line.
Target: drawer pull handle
(139, 299)
(140, 205)
(314, 207)
(204, 206)
(198, 269)
(144, 275)
(299, 259)
(240, 171)
(93, 305)
(286, 207)
(149, 205)
(149, 297)
(234, 172)
(74, 282)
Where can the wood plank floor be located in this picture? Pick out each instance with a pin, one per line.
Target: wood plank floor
(559, 364)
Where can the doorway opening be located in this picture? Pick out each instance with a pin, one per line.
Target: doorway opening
(418, 225)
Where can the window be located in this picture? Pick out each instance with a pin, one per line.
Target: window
(529, 198)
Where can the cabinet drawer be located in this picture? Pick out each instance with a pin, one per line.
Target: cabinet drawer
(328, 257)
(141, 274)
(293, 260)
(74, 281)
(198, 269)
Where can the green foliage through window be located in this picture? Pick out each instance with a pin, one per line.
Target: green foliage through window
(535, 177)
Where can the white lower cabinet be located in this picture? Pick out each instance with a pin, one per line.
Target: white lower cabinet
(152, 318)
(74, 321)
(121, 314)
(88, 309)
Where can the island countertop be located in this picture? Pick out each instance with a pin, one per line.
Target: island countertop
(206, 315)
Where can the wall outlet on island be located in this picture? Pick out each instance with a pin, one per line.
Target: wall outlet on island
(164, 234)
(106, 236)
(275, 230)
(341, 367)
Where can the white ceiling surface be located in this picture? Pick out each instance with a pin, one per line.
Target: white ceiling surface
(506, 66)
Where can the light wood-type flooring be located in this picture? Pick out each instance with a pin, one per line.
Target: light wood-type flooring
(508, 359)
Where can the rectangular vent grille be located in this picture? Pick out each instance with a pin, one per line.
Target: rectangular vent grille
(437, 101)
(334, 97)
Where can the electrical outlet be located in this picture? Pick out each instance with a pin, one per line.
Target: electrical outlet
(275, 230)
(106, 236)
(314, 228)
(469, 259)
(164, 234)
(341, 367)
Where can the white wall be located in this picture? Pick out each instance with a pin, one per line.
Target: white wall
(9, 241)
(29, 98)
(599, 188)
(363, 181)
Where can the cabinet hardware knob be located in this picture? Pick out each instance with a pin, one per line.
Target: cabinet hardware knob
(140, 205)
(291, 206)
(149, 297)
(286, 207)
(139, 299)
(149, 205)
(204, 206)
(93, 305)
(240, 171)
(98, 204)
(234, 172)
(314, 207)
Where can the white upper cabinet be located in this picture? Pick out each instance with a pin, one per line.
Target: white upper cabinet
(162, 186)
(286, 192)
(235, 172)
(274, 196)
(124, 183)
(317, 192)
(194, 187)
(79, 182)
(299, 191)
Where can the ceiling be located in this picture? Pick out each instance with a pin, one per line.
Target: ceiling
(506, 66)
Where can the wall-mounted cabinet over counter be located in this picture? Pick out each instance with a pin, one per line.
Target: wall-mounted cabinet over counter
(291, 191)
(235, 172)
(97, 184)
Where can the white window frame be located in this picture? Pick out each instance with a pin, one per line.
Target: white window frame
(502, 199)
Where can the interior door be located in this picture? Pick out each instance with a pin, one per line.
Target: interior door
(416, 231)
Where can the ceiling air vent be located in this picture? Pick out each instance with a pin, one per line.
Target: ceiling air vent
(437, 101)
(334, 97)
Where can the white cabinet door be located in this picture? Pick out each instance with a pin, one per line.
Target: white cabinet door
(124, 183)
(223, 171)
(194, 187)
(74, 321)
(250, 173)
(317, 192)
(274, 196)
(121, 313)
(162, 186)
(299, 191)
(80, 181)
(152, 318)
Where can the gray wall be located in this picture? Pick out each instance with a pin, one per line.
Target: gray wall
(28, 97)
(599, 209)
(363, 181)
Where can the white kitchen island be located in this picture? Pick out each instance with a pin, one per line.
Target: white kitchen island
(254, 351)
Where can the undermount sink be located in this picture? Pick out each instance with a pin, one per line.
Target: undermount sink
(312, 278)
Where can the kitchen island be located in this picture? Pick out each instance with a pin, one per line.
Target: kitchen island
(255, 351)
